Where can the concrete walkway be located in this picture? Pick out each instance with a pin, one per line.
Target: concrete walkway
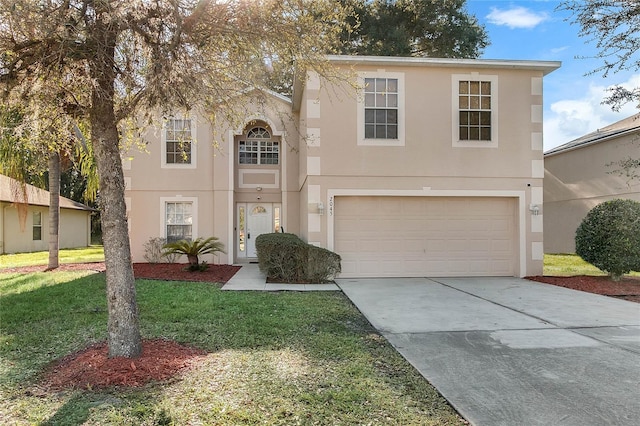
(506, 351)
(250, 278)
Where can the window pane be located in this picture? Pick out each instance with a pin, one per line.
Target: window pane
(369, 115)
(463, 87)
(381, 100)
(474, 102)
(381, 85)
(474, 134)
(369, 100)
(486, 87)
(369, 84)
(485, 118)
(37, 218)
(464, 118)
(392, 132)
(369, 132)
(464, 133)
(392, 116)
(392, 100)
(392, 85)
(381, 116)
(474, 87)
(463, 102)
(485, 133)
(486, 102)
(37, 233)
(381, 132)
(474, 118)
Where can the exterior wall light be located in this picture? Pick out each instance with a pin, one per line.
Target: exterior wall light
(534, 209)
(320, 208)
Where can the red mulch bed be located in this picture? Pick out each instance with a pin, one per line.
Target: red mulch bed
(177, 272)
(627, 288)
(91, 368)
(159, 271)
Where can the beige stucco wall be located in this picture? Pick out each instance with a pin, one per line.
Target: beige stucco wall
(74, 231)
(428, 161)
(576, 181)
(213, 182)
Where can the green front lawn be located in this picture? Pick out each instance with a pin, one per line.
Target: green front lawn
(273, 358)
(79, 255)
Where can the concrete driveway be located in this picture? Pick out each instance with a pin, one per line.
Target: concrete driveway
(507, 351)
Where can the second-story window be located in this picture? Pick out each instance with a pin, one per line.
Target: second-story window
(381, 108)
(179, 141)
(474, 101)
(258, 147)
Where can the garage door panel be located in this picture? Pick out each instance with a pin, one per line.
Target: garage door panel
(425, 236)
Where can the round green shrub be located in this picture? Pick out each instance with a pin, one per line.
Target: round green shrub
(609, 237)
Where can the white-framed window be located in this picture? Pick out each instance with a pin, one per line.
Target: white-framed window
(475, 110)
(258, 147)
(37, 226)
(381, 109)
(178, 149)
(179, 218)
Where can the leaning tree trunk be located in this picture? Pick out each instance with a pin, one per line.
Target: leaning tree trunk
(54, 209)
(123, 326)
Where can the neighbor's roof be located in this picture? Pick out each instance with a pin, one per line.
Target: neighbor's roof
(620, 128)
(35, 196)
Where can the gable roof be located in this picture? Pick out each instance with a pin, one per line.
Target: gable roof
(35, 196)
(617, 129)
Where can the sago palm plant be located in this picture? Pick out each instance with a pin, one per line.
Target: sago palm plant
(195, 248)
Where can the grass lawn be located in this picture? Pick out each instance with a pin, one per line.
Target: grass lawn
(280, 358)
(570, 264)
(79, 255)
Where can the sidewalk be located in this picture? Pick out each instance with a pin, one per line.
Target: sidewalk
(249, 278)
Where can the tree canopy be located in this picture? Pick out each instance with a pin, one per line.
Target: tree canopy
(113, 62)
(614, 27)
(427, 28)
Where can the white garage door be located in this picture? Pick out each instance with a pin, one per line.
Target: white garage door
(426, 236)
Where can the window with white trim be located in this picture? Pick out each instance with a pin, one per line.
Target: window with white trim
(179, 221)
(258, 147)
(381, 108)
(475, 110)
(37, 226)
(178, 141)
(380, 116)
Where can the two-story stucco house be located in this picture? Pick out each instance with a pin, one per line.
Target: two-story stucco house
(415, 167)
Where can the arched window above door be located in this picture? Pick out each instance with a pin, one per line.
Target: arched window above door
(258, 147)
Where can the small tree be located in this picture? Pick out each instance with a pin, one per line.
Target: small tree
(609, 237)
(193, 249)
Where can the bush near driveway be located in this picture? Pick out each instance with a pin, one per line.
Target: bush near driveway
(609, 237)
(286, 258)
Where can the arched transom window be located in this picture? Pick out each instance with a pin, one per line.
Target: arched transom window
(258, 147)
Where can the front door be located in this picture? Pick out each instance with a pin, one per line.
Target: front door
(253, 219)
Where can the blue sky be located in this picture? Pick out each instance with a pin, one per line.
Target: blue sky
(533, 29)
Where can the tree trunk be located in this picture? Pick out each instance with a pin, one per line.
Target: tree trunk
(54, 209)
(124, 338)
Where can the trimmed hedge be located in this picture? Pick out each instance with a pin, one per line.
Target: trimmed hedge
(609, 237)
(286, 258)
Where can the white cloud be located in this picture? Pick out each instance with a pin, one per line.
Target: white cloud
(570, 119)
(516, 17)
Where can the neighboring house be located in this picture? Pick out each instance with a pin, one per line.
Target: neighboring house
(33, 233)
(425, 167)
(581, 174)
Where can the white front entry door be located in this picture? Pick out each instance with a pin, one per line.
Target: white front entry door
(259, 220)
